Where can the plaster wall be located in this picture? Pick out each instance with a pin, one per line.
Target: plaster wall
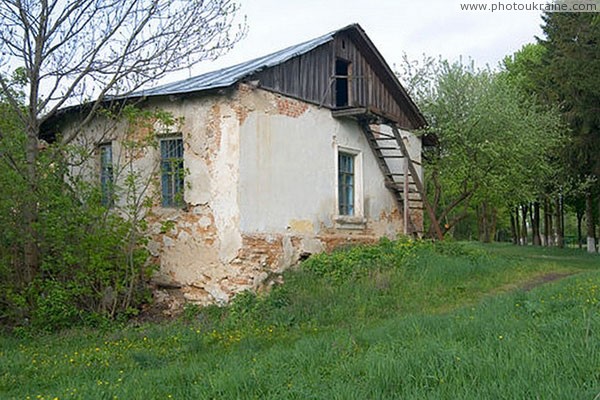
(288, 172)
(260, 190)
(203, 239)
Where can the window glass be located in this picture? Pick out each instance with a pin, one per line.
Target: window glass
(346, 183)
(172, 173)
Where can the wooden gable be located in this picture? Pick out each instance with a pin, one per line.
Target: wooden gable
(344, 73)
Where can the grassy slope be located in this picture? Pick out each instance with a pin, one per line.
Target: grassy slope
(396, 321)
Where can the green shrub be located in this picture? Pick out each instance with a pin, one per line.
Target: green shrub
(92, 261)
(359, 261)
(65, 256)
(459, 249)
(55, 307)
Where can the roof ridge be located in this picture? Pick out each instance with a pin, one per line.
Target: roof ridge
(227, 76)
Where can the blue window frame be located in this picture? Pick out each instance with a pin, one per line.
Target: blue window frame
(346, 184)
(106, 174)
(172, 172)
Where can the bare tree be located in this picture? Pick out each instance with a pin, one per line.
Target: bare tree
(89, 51)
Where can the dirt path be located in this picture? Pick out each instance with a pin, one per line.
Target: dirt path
(542, 279)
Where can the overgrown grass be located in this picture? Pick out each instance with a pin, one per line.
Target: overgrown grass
(404, 320)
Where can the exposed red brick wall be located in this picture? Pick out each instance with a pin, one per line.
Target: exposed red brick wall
(291, 108)
(261, 250)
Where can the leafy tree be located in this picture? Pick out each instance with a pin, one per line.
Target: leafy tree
(492, 141)
(571, 66)
(94, 51)
(524, 68)
(524, 71)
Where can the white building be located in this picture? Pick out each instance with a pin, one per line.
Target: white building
(287, 155)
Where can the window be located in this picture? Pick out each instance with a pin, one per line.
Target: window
(342, 92)
(349, 196)
(171, 166)
(346, 183)
(106, 174)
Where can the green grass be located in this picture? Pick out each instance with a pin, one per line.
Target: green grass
(400, 321)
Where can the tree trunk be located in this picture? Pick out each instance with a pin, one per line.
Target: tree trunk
(560, 241)
(530, 211)
(480, 222)
(551, 236)
(535, 224)
(579, 231)
(31, 253)
(524, 208)
(546, 230)
(485, 223)
(493, 223)
(589, 221)
(464, 199)
(513, 227)
(517, 226)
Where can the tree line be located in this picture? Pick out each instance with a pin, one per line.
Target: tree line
(518, 154)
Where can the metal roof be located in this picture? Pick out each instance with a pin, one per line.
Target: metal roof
(230, 75)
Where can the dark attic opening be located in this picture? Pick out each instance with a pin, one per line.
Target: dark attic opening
(342, 74)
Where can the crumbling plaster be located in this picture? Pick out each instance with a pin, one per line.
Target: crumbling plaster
(260, 190)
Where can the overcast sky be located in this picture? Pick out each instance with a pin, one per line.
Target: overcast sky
(431, 27)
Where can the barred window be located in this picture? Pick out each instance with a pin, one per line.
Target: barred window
(172, 172)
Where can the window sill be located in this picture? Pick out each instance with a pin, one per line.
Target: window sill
(350, 222)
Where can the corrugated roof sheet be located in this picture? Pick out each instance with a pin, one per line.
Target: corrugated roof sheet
(230, 75)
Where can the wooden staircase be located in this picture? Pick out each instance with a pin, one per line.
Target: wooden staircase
(401, 175)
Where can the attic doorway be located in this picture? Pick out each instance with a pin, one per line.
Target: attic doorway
(342, 80)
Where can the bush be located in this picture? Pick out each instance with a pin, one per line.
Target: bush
(66, 257)
(92, 261)
(359, 261)
(55, 306)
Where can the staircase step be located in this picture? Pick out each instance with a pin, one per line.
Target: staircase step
(382, 134)
(400, 187)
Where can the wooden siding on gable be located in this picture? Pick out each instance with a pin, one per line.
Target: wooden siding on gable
(311, 77)
(307, 77)
(367, 87)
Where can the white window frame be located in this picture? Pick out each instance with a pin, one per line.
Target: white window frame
(357, 220)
